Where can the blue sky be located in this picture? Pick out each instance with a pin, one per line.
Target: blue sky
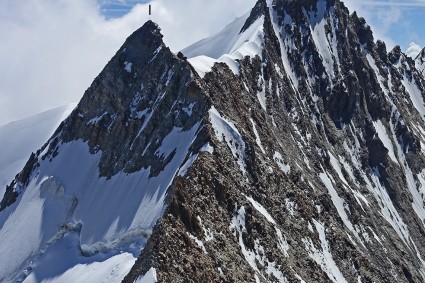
(400, 22)
(117, 8)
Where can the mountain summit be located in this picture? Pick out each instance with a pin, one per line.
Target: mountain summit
(288, 147)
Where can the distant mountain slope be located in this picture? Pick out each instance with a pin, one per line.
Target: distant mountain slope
(243, 37)
(225, 41)
(19, 139)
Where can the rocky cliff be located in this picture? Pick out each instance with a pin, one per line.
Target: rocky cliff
(287, 148)
(420, 61)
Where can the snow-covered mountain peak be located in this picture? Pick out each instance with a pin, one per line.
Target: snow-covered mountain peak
(99, 183)
(299, 144)
(243, 37)
(141, 44)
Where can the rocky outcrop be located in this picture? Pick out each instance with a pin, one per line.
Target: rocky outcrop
(306, 163)
(323, 163)
(420, 61)
(108, 166)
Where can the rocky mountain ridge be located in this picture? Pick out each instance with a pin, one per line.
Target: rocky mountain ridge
(420, 61)
(292, 153)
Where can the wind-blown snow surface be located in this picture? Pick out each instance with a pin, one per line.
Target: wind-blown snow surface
(107, 220)
(227, 46)
(20, 138)
(149, 277)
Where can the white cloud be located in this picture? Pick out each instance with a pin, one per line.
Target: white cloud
(413, 50)
(51, 50)
(395, 22)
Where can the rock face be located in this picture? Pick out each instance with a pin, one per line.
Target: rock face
(420, 61)
(295, 154)
(99, 184)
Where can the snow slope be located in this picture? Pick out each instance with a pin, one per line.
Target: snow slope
(69, 220)
(227, 46)
(54, 208)
(224, 42)
(20, 138)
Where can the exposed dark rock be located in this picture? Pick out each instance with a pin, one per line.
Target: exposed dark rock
(317, 175)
